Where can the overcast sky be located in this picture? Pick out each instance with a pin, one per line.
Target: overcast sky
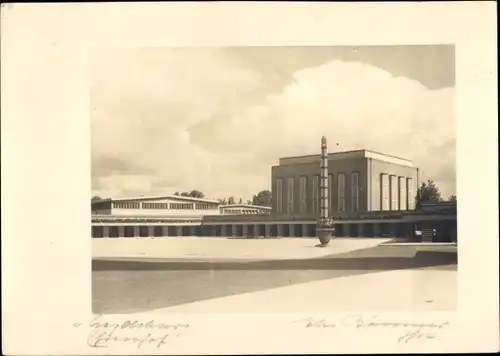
(168, 119)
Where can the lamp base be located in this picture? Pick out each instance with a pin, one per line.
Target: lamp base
(324, 235)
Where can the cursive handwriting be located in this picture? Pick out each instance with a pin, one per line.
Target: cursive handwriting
(313, 323)
(98, 338)
(98, 323)
(359, 321)
(411, 331)
(132, 331)
(415, 335)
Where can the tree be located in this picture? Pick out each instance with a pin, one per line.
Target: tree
(240, 201)
(452, 197)
(223, 201)
(230, 200)
(249, 202)
(263, 198)
(428, 192)
(196, 194)
(95, 198)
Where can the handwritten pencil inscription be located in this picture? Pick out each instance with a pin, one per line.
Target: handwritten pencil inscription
(131, 331)
(410, 331)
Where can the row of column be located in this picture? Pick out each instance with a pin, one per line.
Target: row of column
(144, 231)
(256, 230)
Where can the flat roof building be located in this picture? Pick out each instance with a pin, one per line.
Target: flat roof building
(359, 181)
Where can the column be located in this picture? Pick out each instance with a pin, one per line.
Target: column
(179, 230)
(105, 231)
(245, 230)
(136, 231)
(267, 230)
(376, 230)
(121, 231)
(233, 230)
(291, 229)
(362, 230)
(256, 230)
(223, 229)
(151, 231)
(164, 231)
(304, 230)
(280, 230)
(347, 230)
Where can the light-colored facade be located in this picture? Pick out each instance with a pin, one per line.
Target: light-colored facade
(156, 206)
(359, 181)
(370, 195)
(244, 209)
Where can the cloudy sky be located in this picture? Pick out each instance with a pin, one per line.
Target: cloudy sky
(216, 119)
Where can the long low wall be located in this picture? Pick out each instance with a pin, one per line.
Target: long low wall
(445, 229)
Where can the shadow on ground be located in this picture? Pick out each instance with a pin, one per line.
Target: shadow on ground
(132, 284)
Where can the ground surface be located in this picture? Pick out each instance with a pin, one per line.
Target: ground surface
(276, 275)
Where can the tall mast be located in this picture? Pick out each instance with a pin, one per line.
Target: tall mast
(323, 186)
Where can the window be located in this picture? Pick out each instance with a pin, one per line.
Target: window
(289, 195)
(341, 192)
(154, 205)
(126, 205)
(279, 195)
(204, 206)
(410, 198)
(355, 191)
(315, 193)
(303, 194)
(394, 192)
(384, 192)
(181, 206)
(402, 193)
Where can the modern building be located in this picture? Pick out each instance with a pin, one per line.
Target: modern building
(359, 181)
(371, 194)
(170, 205)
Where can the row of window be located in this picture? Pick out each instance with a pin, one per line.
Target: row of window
(120, 205)
(174, 206)
(395, 193)
(339, 205)
(242, 211)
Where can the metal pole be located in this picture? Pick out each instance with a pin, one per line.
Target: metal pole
(324, 181)
(324, 227)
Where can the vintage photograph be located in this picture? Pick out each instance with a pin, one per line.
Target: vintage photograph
(254, 179)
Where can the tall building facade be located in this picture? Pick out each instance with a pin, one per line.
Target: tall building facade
(359, 181)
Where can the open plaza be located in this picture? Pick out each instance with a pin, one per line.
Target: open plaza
(225, 275)
(184, 254)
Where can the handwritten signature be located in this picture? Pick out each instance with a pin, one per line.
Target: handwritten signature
(136, 332)
(411, 330)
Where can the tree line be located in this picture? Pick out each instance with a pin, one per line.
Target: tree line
(262, 198)
(429, 192)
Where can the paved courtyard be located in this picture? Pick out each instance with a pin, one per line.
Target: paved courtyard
(220, 275)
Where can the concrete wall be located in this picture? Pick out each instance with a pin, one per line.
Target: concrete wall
(369, 171)
(309, 170)
(374, 168)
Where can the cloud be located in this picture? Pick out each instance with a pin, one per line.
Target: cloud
(199, 121)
